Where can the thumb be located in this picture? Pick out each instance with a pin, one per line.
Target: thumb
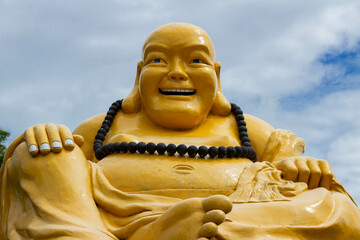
(79, 140)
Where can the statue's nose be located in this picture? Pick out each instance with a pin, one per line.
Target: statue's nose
(177, 73)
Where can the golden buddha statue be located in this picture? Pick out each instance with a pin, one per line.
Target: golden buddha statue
(173, 160)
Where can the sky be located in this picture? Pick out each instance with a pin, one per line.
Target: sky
(294, 64)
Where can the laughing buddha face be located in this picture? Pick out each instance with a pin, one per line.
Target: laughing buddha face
(178, 80)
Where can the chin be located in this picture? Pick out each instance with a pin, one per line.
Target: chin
(181, 120)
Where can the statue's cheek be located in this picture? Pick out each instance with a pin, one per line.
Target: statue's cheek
(150, 80)
(203, 78)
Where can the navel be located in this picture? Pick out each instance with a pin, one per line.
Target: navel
(183, 169)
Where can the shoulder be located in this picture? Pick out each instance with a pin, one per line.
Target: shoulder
(88, 130)
(259, 133)
(90, 125)
(256, 124)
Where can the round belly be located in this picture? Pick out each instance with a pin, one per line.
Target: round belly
(173, 176)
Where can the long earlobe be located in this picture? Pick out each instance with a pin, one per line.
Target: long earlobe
(221, 105)
(132, 103)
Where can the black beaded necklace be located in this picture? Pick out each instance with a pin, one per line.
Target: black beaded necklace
(244, 151)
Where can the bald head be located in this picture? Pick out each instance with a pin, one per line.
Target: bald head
(179, 35)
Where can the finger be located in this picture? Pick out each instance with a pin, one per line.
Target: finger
(327, 174)
(54, 137)
(289, 168)
(29, 137)
(66, 137)
(42, 138)
(315, 173)
(79, 140)
(304, 171)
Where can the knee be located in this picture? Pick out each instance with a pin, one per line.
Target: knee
(23, 164)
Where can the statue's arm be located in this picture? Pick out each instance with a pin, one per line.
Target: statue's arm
(10, 150)
(283, 144)
(284, 149)
(259, 133)
(272, 144)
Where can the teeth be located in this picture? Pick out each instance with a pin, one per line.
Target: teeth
(178, 90)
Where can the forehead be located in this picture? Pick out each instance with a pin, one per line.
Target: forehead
(179, 38)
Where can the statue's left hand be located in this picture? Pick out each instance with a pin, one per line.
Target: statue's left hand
(46, 138)
(314, 172)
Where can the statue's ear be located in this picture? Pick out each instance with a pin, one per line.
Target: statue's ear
(132, 103)
(221, 105)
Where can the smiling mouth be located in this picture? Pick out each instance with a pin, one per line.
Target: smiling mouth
(183, 92)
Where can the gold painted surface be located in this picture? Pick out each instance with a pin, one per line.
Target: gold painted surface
(156, 172)
(52, 191)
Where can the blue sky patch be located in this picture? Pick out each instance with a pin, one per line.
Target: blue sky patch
(343, 74)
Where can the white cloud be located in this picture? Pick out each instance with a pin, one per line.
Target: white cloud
(344, 154)
(286, 63)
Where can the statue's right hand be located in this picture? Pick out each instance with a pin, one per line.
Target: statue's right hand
(46, 138)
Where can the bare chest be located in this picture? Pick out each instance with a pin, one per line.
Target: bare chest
(172, 176)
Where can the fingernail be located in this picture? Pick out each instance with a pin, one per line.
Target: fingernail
(69, 142)
(56, 144)
(44, 146)
(33, 148)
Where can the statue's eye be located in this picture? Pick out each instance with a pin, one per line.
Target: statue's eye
(196, 60)
(156, 60)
